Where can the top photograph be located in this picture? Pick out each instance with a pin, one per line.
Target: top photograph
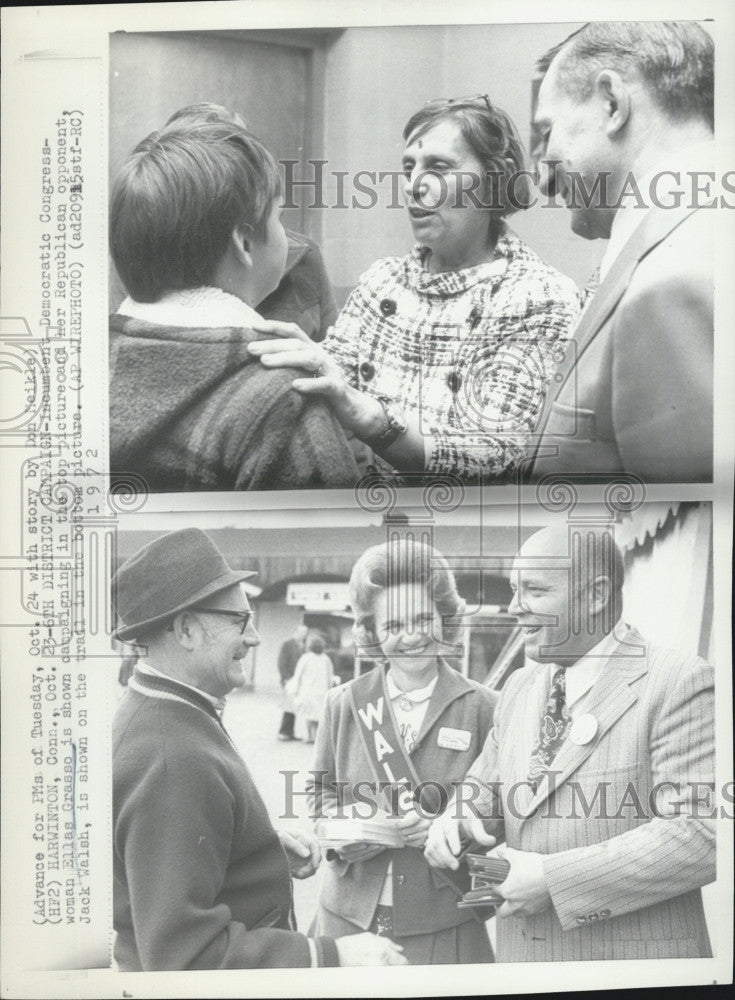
(475, 253)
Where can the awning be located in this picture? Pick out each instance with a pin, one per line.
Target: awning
(645, 523)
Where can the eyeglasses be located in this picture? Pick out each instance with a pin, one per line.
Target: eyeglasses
(241, 618)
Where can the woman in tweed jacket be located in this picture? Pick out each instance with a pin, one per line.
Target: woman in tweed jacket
(440, 360)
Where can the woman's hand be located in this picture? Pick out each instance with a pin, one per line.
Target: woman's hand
(359, 851)
(414, 828)
(292, 348)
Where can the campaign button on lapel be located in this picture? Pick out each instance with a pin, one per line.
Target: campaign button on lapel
(584, 730)
(454, 739)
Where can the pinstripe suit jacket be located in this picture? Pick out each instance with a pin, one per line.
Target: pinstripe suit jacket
(624, 878)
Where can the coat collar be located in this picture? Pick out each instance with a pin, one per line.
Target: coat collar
(444, 284)
(298, 247)
(609, 699)
(450, 685)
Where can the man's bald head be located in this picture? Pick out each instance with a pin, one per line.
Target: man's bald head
(589, 552)
(568, 590)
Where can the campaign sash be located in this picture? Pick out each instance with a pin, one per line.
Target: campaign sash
(393, 770)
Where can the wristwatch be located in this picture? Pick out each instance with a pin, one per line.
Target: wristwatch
(395, 425)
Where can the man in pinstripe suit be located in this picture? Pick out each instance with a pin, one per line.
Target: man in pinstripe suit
(598, 773)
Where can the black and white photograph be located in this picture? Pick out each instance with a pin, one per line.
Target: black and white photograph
(561, 690)
(430, 308)
(367, 394)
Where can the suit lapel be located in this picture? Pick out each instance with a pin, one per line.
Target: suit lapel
(450, 685)
(653, 230)
(609, 699)
(533, 696)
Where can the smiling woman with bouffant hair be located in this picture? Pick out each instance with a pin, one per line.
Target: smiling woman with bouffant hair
(428, 721)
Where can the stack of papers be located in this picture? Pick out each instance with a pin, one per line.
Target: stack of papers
(333, 832)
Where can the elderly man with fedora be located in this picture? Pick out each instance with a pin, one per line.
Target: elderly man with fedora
(202, 880)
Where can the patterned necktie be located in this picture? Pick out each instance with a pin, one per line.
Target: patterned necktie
(553, 729)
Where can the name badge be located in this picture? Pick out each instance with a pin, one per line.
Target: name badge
(454, 739)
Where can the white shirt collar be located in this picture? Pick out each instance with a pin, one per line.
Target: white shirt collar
(580, 676)
(420, 694)
(193, 307)
(146, 668)
(697, 156)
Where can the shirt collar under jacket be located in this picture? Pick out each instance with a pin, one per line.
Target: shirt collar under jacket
(416, 696)
(586, 671)
(699, 156)
(206, 307)
(446, 283)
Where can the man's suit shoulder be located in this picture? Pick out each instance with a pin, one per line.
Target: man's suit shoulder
(673, 666)
(680, 266)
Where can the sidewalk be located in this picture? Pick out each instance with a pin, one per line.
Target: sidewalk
(252, 719)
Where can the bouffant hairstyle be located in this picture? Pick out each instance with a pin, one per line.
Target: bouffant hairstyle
(493, 138)
(404, 560)
(177, 200)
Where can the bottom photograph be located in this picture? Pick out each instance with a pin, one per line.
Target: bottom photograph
(426, 741)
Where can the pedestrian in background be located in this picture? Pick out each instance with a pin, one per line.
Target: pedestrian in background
(313, 678)
(288, 657)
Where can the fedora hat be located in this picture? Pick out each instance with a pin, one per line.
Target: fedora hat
(172, 573)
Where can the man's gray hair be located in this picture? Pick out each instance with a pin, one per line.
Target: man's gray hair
(674, 59)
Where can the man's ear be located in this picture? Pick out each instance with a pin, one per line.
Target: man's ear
(600, 595)
(185, 626)
(241, 243)
(615, 95)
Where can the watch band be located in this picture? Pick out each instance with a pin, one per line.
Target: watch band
(395, 425)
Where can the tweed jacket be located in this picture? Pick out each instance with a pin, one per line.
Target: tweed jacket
(624, 862)
(470, 352)
(635, 393)
(200, 878)
(422, 902)
(304, 295)
(191, 409)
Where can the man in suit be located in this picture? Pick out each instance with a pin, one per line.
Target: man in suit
(201, 878)
(597, 773)
(626, 110)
